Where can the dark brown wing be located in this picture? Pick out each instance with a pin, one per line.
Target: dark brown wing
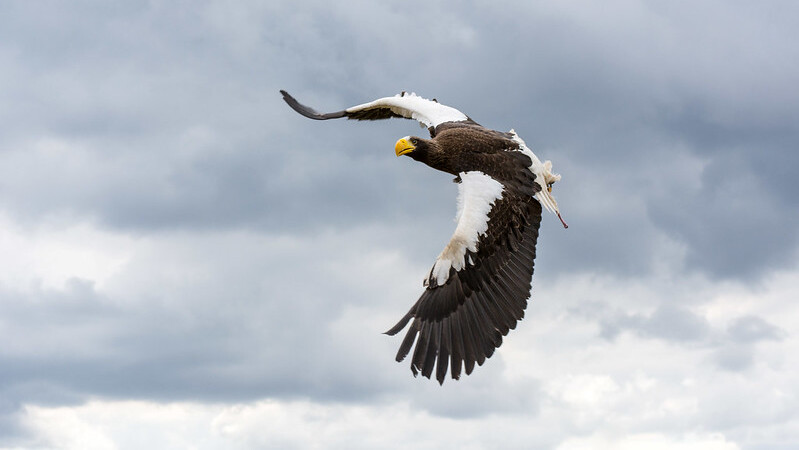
(429, 113)
(462, 322)
(368, 114)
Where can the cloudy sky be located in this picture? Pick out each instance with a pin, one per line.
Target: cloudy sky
(187, 263)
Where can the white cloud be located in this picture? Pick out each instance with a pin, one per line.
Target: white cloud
(651, 441)
(553, 383)
(303, 424)
(51, 253)
(63, 428)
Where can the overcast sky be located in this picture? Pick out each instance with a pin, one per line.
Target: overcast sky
(187, 263)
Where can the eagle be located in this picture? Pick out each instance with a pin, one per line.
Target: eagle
(478, 286)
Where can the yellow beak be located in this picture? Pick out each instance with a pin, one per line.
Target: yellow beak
(403, 147)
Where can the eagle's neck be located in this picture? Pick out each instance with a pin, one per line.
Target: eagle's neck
(436, 157)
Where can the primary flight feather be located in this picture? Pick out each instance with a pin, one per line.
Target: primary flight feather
(478, 287)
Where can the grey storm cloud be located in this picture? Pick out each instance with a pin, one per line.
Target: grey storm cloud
(751, 329)
(667, 322)
(81, 342)
(161, 150)
(733, 348)
(738, 349)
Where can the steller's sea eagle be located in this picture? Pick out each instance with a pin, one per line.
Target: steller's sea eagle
(478, 286)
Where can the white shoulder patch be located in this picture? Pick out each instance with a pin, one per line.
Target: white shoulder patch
(411, 106)
(477, 193)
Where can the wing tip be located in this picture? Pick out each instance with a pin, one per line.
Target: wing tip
(400, 325)
(308, 111)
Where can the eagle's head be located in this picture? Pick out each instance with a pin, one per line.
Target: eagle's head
(411, 146)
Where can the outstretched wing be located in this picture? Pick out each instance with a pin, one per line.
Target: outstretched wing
(429, 113)
(478, 287)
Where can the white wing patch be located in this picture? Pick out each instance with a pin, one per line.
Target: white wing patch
(477, 193)
(542, 171)
(411, 106)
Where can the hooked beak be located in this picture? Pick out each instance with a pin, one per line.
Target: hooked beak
(403, 147)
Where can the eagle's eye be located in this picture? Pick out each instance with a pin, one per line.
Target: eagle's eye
(414, 141)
